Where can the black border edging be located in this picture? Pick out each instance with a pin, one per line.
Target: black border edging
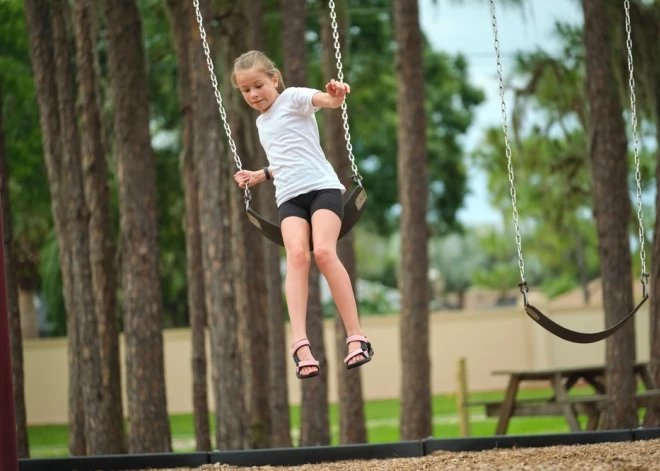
(524, 441)
(115, 462)
(646, 433)
(317, 454)
(324, 454)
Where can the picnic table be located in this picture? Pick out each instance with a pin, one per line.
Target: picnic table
(561, 381)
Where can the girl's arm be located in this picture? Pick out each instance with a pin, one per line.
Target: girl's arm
(324, 100)
(336, 92)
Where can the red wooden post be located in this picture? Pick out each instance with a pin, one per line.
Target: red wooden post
(8, 446)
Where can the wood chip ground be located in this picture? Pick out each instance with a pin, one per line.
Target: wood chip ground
(626, 456)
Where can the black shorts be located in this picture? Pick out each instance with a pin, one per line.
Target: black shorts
(303, 206)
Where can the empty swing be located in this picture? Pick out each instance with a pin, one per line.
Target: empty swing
(533, 312)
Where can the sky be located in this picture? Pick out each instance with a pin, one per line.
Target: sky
(465, 27)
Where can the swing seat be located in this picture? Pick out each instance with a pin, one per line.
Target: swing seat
(353, 209)
(575, 336)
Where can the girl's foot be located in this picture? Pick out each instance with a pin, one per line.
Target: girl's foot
(306, 365)
(352, 346)
(359, 351)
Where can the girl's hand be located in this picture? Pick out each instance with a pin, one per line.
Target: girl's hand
(245, 176)
(337, 89)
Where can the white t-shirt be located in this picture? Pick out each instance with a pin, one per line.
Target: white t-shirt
(289, 134)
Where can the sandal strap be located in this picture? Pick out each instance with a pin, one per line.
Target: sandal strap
(298, 345)
(307, 363)
(304, 363)
(355, 353)
(356, 338)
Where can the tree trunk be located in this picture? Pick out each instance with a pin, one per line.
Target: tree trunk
(98, 409)
(314, 423)
(352, 426)
(461, 299)
(101, 241)
(248, 243)
(294, 46)
(15, 335)
(180, 14)
(43, 64)
(314, 417)
(29, 323)
(415, 421)
(612, 212)
(256, 26)
(277, 372)
(582, 267)
(77, 436)
(265, 203)
(149, 430)
(211, 162)
(278, 351)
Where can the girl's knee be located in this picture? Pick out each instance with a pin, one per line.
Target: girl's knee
(298, 256)
(324, 255)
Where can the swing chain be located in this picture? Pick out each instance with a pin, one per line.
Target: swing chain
(633, 114)
(631, 82)
(340, 75)
(218, 97)
(521, 263)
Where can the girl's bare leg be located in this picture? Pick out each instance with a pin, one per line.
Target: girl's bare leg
(326, 226)
(295, 233)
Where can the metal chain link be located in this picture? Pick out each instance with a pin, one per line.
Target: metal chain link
(340, 75)
(633, 114)
(521, 262)
(218, 97)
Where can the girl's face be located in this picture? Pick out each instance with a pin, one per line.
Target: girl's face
(258, 88)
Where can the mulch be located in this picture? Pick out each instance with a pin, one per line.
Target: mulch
(625, 456)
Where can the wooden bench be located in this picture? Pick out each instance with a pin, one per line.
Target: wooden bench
(561, 381)
(589, 405)
(493, 406)
(537, 407)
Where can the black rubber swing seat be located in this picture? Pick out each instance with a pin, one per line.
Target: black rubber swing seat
(353, 209)
(574, 336)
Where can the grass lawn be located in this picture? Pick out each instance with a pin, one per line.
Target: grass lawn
(382, 424)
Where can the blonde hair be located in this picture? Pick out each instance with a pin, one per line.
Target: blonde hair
(251, 59)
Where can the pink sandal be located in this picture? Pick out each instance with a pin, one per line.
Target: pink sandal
(300, 364)
(365, 350)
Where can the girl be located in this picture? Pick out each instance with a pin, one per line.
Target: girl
(307, 192)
